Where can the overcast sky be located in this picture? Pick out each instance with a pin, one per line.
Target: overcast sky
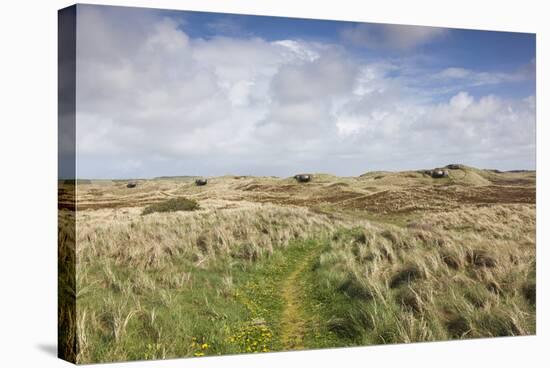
(185, 93)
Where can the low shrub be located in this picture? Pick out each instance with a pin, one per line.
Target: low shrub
(354, 287)
(405, 275)
(409, 300)
(458, 326)
(481, 258)
(172, 205)
(451, 260)
(530, 292)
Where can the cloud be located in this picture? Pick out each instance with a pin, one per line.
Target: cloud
(154, 101)
(461, 101)
(325, 77)
(226, 26)
(470, 77)
(486, 132)
(390, 36)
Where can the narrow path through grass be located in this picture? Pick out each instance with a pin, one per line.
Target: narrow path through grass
(293, 322)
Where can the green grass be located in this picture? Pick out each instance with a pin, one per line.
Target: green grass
(267, 265)
(172, 205)
(232, 306)
(260, 292)
(355, 286)
(362, 297)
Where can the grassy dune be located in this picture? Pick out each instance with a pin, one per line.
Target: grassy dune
(255, 264)
(433, 281)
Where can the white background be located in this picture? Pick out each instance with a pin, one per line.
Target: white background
(28, 185)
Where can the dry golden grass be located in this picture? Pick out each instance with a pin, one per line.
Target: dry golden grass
(150, 241)
(466, 273)
(399, 257)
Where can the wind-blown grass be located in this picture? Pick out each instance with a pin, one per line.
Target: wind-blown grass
(195, 270)
(216, 275)
(405, 285)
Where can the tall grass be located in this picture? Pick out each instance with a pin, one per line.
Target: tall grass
(412, 284)
(67, 289)
(179, 284)
(208, 281)
(156, 240)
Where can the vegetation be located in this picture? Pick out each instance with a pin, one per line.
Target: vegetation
(402, 285)
(268, 264)
(172, 205)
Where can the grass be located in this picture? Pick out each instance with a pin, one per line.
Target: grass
(232, 306)
(172, 205)
(215, 275)
(399, 286)
(250, 264)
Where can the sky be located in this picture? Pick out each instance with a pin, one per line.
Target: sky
(167, 93)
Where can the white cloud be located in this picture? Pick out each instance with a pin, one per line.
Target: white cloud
(455, 72)
(226, 26)
(297, 50)
(153, 101)
(391, 36)
(461, 101)
(470, 77)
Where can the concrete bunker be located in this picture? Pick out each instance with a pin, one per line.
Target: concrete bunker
(303, 178)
